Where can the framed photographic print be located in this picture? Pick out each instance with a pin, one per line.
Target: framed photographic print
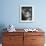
(26, 13)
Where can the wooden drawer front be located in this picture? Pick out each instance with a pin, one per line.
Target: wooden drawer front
(12, 44)
(13, 33)
(13, 40)
(37, 39)
(33, 40)
(37, 45)
(27, 41)
(34, 33)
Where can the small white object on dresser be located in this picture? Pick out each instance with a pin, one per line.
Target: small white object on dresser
(11, 28)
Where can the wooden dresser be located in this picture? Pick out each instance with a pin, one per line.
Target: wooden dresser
(23, 39)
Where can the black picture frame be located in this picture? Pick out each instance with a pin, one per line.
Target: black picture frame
(26, 13)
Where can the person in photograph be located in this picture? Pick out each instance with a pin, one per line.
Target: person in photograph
(26, 13)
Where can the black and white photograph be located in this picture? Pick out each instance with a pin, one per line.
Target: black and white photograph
(26, 13)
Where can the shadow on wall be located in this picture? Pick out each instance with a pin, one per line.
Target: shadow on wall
(2, 26)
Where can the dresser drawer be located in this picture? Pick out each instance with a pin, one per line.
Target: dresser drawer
(12, 39)
(37, 39)
(16, 41)
(34, 33)
(37, 44)
(13, 33)
(20, 44)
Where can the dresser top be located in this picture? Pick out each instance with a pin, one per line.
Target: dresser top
(22, 30)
